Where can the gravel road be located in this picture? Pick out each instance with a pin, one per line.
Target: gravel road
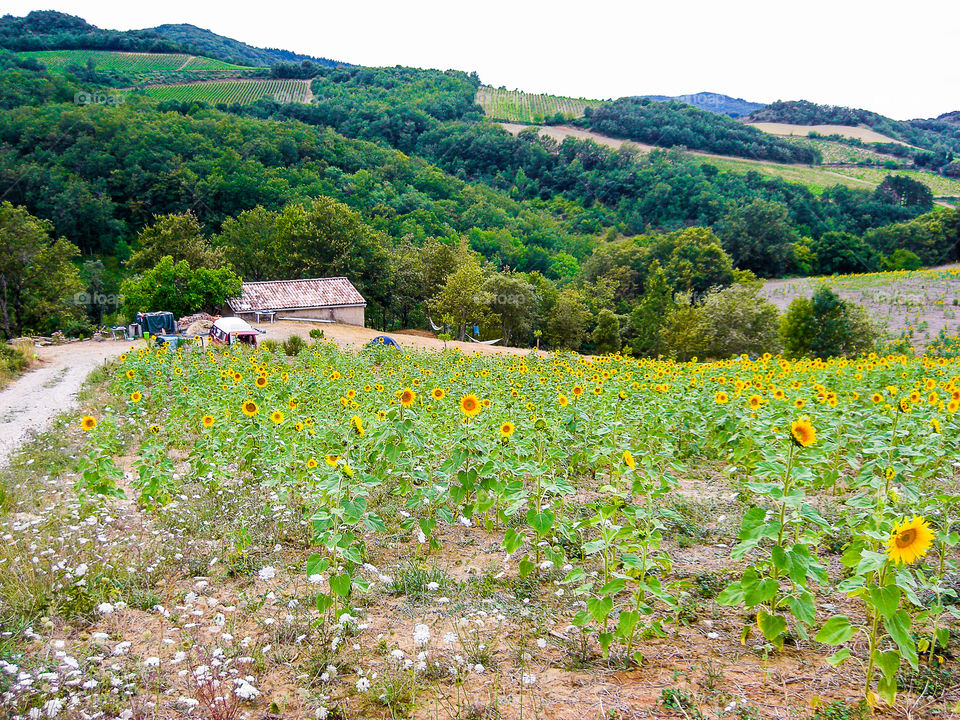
(29, 404)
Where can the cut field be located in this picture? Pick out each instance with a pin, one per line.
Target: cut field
(918, 304)
(224, 533)
(521, 107)
(230, 92)
(858, 133)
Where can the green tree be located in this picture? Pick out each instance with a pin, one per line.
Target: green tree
(649, 317)
(736, 320)
(842, 252)
(179, 289)
(180, 236)
(697, 262)
(567, 321)
(462, 299)
(38, 280)
(249, 242)
(759, 237)
(826, 325)
(606, 336)
(510, 296)
(683, 329)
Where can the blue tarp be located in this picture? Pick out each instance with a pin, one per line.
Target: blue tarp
(383, 340)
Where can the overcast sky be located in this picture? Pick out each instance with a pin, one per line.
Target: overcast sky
(900, 59)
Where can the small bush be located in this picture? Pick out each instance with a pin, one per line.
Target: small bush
(293, 345)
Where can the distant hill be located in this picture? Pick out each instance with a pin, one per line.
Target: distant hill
(206, 42)
(713, 102)
(50, 30)
(950, 117)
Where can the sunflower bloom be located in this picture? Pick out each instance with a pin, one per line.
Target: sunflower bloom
(562, 400)
(909, 541)
(207, 420)
(507, 429)
(721, 398)
(261, 381)
(802, 432)
(136, 397)
(438, 393)
(277, 417)
(250, 408)
(407, 397)
(311, 463)
(357, 424)
(628, 460)
(89, 422)
(469, 405)
(332, 460)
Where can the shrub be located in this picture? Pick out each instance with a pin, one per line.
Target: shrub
(826, 325)
(293, 345)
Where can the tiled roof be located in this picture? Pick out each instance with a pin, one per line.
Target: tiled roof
(296, 294)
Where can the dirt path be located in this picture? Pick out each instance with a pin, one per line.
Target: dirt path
(30, 403)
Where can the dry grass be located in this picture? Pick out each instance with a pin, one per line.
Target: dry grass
(858, 133)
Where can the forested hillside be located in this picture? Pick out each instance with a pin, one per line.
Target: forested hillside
(50, 30)
(394, 176)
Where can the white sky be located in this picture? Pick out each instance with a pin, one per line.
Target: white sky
(900, 59)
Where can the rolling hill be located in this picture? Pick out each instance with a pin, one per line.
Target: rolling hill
(713, 102)
(206, 42)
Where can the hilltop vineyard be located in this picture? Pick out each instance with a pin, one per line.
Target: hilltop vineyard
(515, 106)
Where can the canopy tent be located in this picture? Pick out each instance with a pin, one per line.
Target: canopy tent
(383, 340)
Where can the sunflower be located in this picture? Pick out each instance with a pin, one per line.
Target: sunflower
(357, 424)
(155, 429)
(332, 460)
(802, 432)
(562, 400)
(909, 541)
(469, 405)
(904, 405)
(261, 381)
(507, 429)
(721, 398)
(438, 393)
(876, 397)
(407, 397)
(88, 422)
(136, 397)
(207, 420)
(577, 390)
(935, 424)
(311, 463)
(277, 417)
(628, 459)
(250, 408)
(799, 403)
(755, 401)
(347, 470)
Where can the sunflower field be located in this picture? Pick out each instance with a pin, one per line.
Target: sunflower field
(745, 538)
